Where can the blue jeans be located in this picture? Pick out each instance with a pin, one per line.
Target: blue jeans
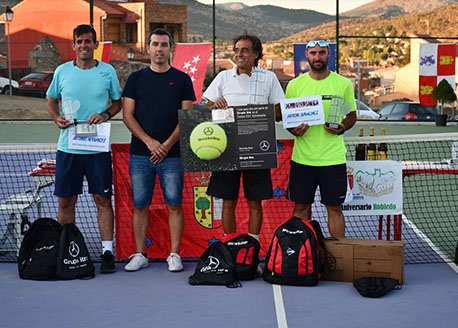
(143, 178)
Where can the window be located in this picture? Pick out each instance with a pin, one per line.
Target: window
(386, 110)
(131, 33)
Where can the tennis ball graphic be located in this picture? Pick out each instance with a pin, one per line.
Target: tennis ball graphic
(208, 141)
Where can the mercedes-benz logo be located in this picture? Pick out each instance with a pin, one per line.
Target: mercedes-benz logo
(213, 262)
(208, 131)
(73, 249)
(264, 145)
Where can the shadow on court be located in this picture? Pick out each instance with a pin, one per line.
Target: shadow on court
(154, 297)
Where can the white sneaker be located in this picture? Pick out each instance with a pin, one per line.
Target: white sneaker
(137, 262)
(174, 262)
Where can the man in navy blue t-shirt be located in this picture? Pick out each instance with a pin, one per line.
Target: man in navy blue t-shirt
(152, 98)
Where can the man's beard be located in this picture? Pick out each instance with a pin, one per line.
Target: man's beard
(320, 69)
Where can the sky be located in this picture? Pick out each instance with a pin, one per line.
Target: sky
(323, 6)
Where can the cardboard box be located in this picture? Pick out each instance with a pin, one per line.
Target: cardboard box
(356, 258)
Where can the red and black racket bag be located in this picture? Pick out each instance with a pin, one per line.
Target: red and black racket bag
(245, 251)
(293, 255)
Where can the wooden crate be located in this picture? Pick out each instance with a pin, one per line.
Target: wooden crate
(356, 258)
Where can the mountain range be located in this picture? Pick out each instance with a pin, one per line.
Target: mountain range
(267, 22)
(273, 23)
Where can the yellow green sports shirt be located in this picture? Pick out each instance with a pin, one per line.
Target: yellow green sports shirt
(318, 147)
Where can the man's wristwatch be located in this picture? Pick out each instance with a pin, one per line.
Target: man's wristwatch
(108, 113)
(343, 128)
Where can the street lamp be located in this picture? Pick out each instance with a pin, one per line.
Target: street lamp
(130, 55)
(8, 15)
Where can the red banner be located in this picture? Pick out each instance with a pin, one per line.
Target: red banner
(192, 58)
(446, 54)
(427, 85)
(203, 223)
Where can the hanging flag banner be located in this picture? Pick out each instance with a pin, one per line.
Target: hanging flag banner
(301, 64)
(192, 58)
(102, 53)
(437, 62)
(375, 184)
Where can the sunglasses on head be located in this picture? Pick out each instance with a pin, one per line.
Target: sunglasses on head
(321, 43)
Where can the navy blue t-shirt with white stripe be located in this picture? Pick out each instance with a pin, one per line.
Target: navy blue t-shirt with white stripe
(158, 98)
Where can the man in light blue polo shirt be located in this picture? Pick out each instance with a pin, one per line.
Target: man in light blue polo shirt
(85, 86)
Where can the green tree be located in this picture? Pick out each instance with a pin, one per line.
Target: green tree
(444, 93)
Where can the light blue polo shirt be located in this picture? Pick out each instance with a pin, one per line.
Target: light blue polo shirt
(83, 92)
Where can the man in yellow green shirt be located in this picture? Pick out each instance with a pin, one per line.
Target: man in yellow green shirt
(319, 151)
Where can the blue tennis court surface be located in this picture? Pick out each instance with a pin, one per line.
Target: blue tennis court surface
(154, 297)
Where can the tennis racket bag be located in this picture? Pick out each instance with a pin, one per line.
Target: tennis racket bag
(215, 267)
(293, 255)
(73, 258)
(37, 259)
(245, 252)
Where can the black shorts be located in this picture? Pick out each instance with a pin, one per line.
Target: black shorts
(257, 184)
(304, 179)
(71, 169)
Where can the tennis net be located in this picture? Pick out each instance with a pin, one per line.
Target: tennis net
(430, 198)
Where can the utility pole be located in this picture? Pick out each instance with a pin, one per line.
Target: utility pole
(337, 36)
(91, 12)
(214, 40)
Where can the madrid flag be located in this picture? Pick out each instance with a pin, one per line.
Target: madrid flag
(192, 58)
(437, 62)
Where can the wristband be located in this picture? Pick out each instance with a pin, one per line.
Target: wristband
(108, 113)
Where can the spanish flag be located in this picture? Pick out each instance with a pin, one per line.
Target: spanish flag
(103, 52)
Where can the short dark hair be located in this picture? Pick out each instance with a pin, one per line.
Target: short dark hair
(82, 29)
(161, 31)
(257, 45)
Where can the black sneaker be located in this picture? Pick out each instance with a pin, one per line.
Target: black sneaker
(108, 265)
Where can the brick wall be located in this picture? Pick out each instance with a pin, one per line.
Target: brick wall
(167, 16)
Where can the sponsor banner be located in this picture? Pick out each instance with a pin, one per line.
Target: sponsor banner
(307, 110)
(236, 138)
(376, 187)
(301, 64)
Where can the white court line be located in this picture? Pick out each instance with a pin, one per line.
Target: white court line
(279, 307)
(430, 243)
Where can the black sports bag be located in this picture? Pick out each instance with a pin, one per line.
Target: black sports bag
(215, 267)
(73, 259)
(37, 259)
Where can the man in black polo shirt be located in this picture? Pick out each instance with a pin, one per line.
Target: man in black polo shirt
(152, 98)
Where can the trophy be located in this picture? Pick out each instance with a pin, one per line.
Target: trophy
(337, 110)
